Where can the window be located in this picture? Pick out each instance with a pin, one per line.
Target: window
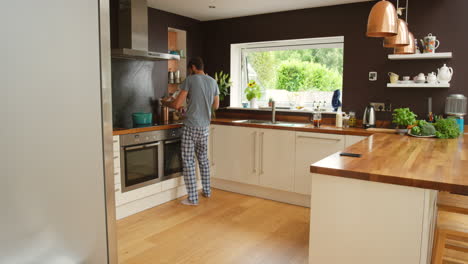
(296, 74)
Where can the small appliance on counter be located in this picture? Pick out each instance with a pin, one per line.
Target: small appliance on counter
(456, 106)
(142, 119)
(368, 120)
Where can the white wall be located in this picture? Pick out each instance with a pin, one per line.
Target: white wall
(52, 182)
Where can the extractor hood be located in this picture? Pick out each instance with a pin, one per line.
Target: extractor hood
(133, 33)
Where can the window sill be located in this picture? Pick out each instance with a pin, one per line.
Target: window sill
(305, 111)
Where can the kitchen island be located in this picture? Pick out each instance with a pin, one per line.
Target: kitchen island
(381, 207)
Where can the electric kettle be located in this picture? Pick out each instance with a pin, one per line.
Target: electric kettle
(368, 120)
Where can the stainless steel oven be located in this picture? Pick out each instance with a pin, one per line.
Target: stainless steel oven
(172, 158)
(149, 157)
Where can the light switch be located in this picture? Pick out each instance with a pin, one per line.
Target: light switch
(372, 76)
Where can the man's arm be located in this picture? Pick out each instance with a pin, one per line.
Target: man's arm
(178, 102)
(216, 102)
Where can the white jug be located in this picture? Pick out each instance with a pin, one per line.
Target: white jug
(444, 74)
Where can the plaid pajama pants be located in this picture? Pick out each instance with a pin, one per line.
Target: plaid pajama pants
(195, 141)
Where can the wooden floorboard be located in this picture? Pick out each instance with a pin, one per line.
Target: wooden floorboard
(227, 228)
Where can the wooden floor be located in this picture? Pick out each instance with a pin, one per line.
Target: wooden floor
(227, 228)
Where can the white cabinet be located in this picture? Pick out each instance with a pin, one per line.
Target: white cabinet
(351, 140)
(271, 158)
(365, 222)
(254, 156)
(276, 159)
(235, 153)
(310, 148)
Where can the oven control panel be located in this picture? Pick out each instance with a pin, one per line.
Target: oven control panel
(151, 136)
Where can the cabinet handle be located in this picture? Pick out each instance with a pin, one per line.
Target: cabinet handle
(116, 157)
(115, 141)
(117, 190)
(212, 147)
(254, 152)
(319, 138)
(262, 134)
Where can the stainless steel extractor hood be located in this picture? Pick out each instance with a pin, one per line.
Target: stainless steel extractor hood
(133, 33)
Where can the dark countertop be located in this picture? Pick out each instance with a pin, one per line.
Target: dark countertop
(429, 163)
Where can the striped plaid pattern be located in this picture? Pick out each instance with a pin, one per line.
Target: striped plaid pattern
(195, 142)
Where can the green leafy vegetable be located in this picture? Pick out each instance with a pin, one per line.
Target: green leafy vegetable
(403, 117)
(427, 129)
(416, 131)
(447, 128)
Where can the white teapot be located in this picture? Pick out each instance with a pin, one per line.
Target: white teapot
(420, 78)
(431, 78)
(444, 74)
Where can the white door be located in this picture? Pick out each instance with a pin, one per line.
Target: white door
(234, 153)
(276, 159)
(310, 148)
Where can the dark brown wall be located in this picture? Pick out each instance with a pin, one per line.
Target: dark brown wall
(446, 19)
(136, 85)
(158, 23)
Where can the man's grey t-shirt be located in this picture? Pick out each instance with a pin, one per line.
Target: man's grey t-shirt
(201, 92)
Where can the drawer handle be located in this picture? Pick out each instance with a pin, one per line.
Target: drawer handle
(115, 141)
(117, 190)
(116, 157)
(319, 138)
(254, 134)
(116, 173)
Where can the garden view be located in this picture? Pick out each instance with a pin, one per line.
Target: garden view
(297, 77)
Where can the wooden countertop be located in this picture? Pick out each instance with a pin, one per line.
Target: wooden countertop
(123, 131)
(308, 128)
(327, 129)
(429, 163)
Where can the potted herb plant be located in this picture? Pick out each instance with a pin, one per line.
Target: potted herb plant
(224, 83)
(252, 93)
(403, 118)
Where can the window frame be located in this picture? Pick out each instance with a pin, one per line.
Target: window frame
(239, 54)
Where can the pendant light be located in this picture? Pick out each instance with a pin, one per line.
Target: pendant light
(383, 20)
(410, 49)
(402, 38)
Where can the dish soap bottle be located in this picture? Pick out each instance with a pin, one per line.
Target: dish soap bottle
(339, 118)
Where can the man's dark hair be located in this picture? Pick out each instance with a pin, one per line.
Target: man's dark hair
(197, 62)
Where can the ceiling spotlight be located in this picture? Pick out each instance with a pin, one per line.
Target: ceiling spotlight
(212, 6)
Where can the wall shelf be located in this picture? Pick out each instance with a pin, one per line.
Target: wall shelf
(421, 56)
(418, 85)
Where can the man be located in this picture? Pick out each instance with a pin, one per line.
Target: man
(203, 94)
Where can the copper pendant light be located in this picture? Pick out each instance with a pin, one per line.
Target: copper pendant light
(400, 40)
(410, 49)
(382, 20)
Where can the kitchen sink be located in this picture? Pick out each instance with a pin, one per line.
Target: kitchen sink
(262, 122)
(268, 122)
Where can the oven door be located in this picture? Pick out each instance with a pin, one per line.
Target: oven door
(141, 165)
(172, 159)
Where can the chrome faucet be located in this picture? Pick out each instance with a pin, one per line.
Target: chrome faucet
(273, 112)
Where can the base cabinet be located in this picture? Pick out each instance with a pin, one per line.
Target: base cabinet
(276, 159)
(271, 158)
(363, 222)
(234, 154)
(310, 148)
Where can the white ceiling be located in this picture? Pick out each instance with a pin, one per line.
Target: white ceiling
(199, 9)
